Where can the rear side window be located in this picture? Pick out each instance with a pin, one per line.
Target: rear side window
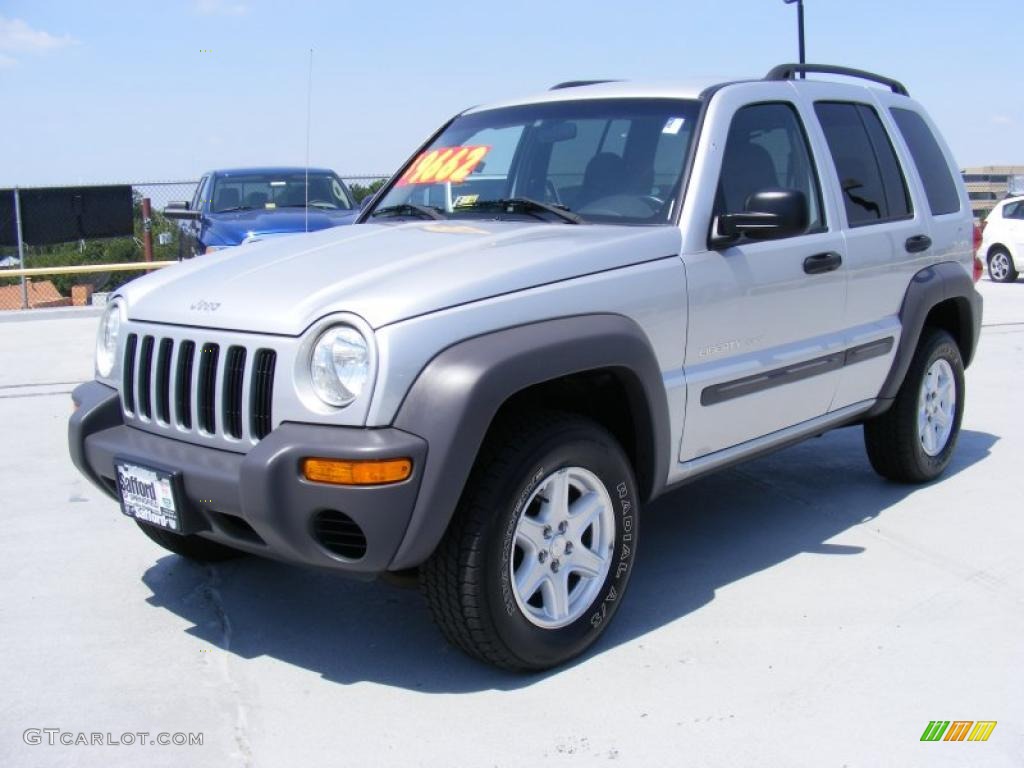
(874, 190)
(931, 163)
(1013, 210)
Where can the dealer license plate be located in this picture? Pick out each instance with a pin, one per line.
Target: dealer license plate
(148, 495)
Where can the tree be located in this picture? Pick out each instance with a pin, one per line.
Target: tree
(361, 191)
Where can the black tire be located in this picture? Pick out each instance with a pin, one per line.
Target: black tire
(892, 439)
(468, 579)
(1006, 274)
(193, 548)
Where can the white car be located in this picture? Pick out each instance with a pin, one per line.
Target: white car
(1002, 243)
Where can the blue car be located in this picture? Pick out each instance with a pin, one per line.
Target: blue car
(233, 207)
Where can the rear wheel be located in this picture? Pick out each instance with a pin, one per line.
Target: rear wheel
(1000, 266)
(193, 548)
(539, 552)
(913, 441)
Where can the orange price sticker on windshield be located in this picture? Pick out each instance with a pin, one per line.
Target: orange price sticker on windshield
(436, 166)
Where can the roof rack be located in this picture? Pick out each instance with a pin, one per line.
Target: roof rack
(789, 71)
(578, 83)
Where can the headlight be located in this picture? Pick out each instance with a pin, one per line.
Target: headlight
(339, 365)
(106, 339)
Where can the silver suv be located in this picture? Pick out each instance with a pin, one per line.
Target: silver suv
(560, 308)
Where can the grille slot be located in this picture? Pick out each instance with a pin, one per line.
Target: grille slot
(146, 378)
(128, 375)
(207, 387)
(163, 381)
(340, 534)
(183, 384)
(234, 378)
(262, 392)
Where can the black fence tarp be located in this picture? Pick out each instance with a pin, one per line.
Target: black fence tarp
(8, 231)
(62, 214)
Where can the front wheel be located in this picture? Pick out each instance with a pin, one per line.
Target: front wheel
(539, 552)
(913, 441)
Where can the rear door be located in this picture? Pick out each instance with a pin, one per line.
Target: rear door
(763, 343)
(890, 231)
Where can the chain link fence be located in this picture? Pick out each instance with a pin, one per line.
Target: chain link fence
(76, 287)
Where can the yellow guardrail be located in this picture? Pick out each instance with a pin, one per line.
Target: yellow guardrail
(85, 269)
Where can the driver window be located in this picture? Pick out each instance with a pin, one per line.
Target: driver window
(767, 149)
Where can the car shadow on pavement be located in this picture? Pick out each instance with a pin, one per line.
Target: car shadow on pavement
(695, 540)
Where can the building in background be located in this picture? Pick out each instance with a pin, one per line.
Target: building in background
(988, 184)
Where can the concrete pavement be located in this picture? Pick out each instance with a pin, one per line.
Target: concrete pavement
(794, 611)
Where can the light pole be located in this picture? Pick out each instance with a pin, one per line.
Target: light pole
(800, 28)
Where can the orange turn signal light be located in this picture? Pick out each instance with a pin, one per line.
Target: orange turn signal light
(356, 472)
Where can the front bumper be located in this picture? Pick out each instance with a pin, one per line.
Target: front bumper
(258, 501)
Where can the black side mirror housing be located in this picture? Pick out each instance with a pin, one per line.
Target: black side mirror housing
(770, 214)
(179, 209)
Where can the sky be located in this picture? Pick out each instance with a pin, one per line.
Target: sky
(112, 91)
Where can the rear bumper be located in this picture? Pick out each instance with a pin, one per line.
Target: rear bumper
(258, 502)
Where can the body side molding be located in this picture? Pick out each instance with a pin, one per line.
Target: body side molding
(789, 374)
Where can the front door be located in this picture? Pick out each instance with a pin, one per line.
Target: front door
(764, 338)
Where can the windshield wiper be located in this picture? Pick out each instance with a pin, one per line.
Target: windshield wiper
(529, 205)
(234, 208)
(422, 210)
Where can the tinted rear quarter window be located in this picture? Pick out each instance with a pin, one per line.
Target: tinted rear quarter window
(874, 190)
(930, 161)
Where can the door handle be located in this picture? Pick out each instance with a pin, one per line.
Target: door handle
(918, 243)
(820, 263)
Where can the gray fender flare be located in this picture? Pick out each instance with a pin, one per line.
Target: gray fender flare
(928, 288)
(454, 399)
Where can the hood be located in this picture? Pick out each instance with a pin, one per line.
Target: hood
(232, 228)
(382, 272)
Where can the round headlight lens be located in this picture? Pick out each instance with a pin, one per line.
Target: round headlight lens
(106, 339)
(340, 365)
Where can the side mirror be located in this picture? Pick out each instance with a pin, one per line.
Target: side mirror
(178, 209)
(365, 202)
(770, 214)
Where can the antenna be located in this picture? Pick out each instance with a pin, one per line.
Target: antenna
(309, 112)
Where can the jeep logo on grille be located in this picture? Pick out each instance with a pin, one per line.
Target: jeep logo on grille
(206, 306)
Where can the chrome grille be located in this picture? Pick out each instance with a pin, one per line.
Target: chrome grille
(193, 387)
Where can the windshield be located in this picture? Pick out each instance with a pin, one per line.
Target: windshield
(604, 160)
(279, 190)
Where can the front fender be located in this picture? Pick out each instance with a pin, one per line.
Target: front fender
(455, 398)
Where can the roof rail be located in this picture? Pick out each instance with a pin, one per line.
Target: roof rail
(578, 83)
(789, 71)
